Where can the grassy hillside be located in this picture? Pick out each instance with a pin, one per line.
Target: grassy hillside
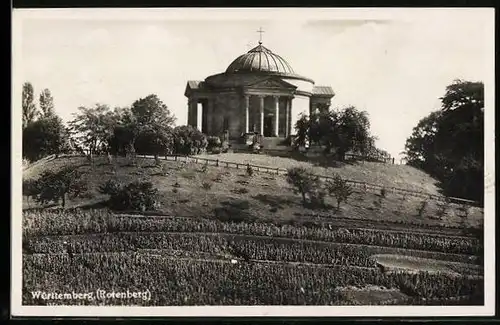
(262, 196)
(194, 252)
(401, 176)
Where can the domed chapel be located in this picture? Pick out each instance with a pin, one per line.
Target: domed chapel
(258, 93)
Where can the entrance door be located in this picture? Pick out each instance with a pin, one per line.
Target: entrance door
(268, 126)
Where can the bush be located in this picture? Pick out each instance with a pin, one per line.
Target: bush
(136, 196)
(303, 182)
(206, 185)
(111, 187)
(189, 140)
(241, 190)
(317, 198)
(249, 170)
(422, 208)
(225, 146)
(340, 189)
(383, 192)
(30, 189)
(213, 143)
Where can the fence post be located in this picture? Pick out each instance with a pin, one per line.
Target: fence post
(217, 163)
(175, 157)
(277, 171)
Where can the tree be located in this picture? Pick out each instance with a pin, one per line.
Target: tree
(44, 137)
(189, 140)
(303, 181)
(352, 133)
(29, 107)
(57, 186)
(339, 130)
(151, 111)
(340, 189)
(449, 143)
(93, 128)
(155, 140)
(46, 103)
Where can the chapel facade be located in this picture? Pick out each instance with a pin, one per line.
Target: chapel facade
(258, 93)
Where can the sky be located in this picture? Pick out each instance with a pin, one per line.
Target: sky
(393, 64)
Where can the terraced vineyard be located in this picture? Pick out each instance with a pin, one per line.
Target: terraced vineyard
(204, 261)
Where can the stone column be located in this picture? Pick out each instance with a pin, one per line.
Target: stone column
(210, 115)
(261, 112)
(213, 118)
(246, 107)
(276, 116)
(290, 116)
(287, 117)
(193, 112)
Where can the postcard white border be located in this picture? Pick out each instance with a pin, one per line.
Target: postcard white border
(244, 311)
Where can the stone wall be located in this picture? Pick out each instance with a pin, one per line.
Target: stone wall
(228, 107)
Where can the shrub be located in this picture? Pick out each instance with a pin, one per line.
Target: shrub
(176, 185)
(30, 189)
(443, 207)
(225, 146)
(422, 208)
(111, 187)
(249, 170)
(157, 161)
(213, 142)
(340, 189)
(464, 208)
(189, 140)
(206, 185)
(241, 190)
(204, 168)
(303, 181)
(383, 192)
(136, 196)
(218, 178)
(317, 198)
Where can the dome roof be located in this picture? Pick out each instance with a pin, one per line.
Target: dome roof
(260, 59)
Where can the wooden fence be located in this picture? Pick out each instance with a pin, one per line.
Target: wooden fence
(282, 171)
(363, 186)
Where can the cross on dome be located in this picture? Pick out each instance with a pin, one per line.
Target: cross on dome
(260, 31)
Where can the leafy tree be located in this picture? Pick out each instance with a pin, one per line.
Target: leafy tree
(189, 140)
(29, 108)
(338, 130)
(57, 186)
(44, 137)
(303, 181)
(302, 127)
(155, 141)
(340, 189)
(449, 143)
(93, 127)
(151, 111)
(46, 103)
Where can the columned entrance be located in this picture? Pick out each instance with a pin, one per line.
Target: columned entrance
(268, 115)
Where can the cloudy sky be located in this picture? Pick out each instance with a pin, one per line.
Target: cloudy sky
(393, 64)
